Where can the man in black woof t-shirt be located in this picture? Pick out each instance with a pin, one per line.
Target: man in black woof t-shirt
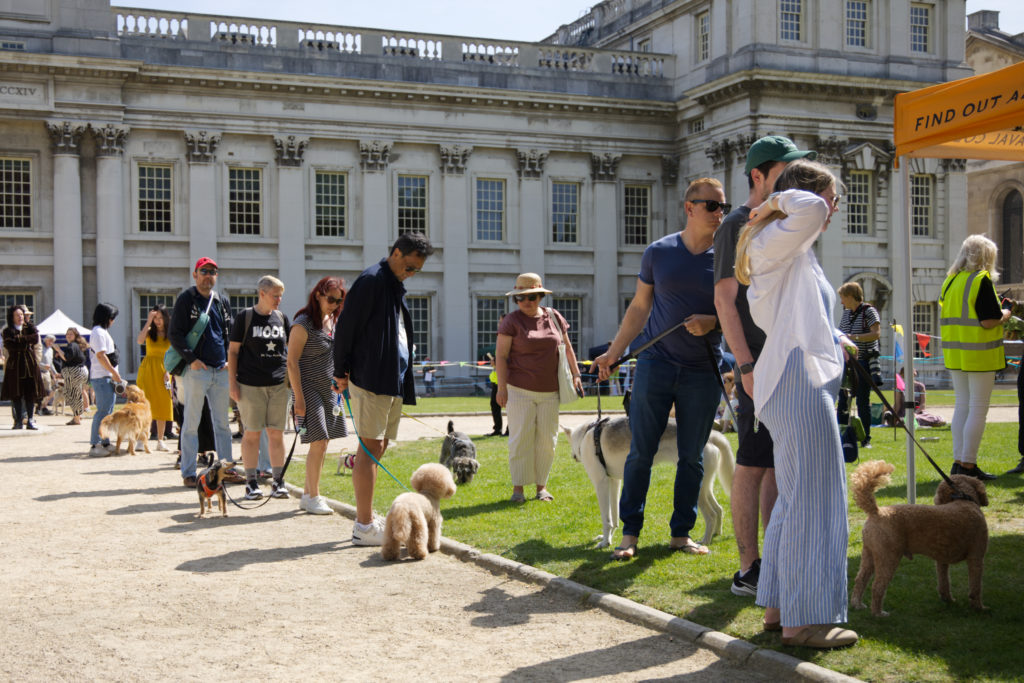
(256, 374)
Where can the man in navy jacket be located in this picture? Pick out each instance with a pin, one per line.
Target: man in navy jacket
(373, 359)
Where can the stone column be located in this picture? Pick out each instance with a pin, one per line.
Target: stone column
(67, 219)
(830, 244)
(204, 214)
(670, 184)
(374, 158)
(604, 172)
(292, 203)
(111, 284)
(532, 224)
(455, 302)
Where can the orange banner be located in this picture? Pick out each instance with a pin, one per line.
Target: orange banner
(974, 118)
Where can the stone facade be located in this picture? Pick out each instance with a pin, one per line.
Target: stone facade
(153, 138)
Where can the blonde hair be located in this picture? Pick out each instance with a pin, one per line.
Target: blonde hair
(268, 283)
(852, 290)
(693, 189)
(976, 253)
(798, 175)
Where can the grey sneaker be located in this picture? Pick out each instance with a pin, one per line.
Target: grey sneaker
(252, 492)
(279, 490)
(369, 534)
(745, 585)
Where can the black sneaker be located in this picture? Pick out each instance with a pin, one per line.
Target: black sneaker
(252, 491)
(1019, 469)
(975, 472)
(279, 490)
(745, 585)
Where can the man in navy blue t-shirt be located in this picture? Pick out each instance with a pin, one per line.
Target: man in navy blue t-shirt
(676, 284)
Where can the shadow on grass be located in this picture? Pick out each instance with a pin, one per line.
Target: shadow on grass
(481, 508)
(237, 559)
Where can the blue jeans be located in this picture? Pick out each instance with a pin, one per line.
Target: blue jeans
(104, 389)
(657, 385)
(213, 384)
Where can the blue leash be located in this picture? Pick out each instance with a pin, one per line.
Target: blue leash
(363, 446)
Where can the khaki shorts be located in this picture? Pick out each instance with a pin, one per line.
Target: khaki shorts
(376, 416)
(263, 407)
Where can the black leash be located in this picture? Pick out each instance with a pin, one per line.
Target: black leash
(284, 469)
(721, 380)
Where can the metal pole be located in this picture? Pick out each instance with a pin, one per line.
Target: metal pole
(906, 229)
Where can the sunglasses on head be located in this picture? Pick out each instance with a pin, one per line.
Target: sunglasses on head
(528, 297)
(208, 271)
(713, 205)
(333, 300)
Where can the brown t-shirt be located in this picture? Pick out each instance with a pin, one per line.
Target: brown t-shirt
(533, 358)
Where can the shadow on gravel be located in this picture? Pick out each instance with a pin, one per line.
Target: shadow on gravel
(151, 507)
(213, 520)
(123, 472)
(500, 610)
(624, 658)
(49, 498)
(46, 458)
(237, 559)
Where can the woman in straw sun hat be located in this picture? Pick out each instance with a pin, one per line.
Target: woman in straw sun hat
(527, 366)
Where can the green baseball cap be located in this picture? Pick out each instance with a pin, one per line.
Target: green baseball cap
(775, 148)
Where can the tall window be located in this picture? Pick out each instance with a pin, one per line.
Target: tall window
(643, 45)
(924, 323)
(858, 198)
(331, 194)
(703, 36)
(1011, 249)
(637, 214)
(15, 193)
(791, 19)
(245, 190)
(155, 197)
(490, 209)
(922, 190)
(419, 308)
(570, 308)
(240, 302)
(489, 310)
(565, 212)
(857, 22)
(920, 27)
(8, 299)
(412, 204)
(146, 304)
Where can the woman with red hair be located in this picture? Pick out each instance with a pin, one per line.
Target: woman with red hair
(310, 369)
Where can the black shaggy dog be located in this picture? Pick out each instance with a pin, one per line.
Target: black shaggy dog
(458, 454)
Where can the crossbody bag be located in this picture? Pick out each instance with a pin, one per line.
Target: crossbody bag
(174, 362)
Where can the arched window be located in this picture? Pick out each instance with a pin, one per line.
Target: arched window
(1012, 245)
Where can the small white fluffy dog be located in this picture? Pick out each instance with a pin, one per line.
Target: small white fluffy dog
(615, 437)
(415, 518)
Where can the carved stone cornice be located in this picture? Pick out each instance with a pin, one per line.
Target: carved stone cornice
(740, 145)
(374, 156)
(530, 163)
(955, 165)
(718, 151)
(604, 167)
(288, 151)
(831, 151)
(65, 136)
(201, 147)
(109, 139)
(669, 169)
(454, 159)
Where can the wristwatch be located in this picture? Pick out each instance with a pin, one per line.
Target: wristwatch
(746, 368)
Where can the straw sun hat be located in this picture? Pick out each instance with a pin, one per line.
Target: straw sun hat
(528, 283)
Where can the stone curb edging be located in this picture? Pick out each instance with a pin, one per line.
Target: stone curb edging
(773, 663)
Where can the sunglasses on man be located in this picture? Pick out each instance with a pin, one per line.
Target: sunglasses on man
(519, 298)
(208, 271)
(713, 205)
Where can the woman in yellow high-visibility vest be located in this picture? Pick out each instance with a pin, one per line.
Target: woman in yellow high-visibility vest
(972, 345)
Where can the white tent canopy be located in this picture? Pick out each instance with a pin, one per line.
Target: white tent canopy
(58, 323)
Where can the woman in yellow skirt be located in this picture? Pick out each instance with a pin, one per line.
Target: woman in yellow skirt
(153, 379)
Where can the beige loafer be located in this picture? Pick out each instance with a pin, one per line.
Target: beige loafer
(822, 637)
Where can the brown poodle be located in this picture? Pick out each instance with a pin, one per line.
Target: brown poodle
(415, 518)
(952, 530)
(131, 423)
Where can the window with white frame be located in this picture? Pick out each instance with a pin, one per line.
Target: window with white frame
(791, 16)
(859, 202)
(922, 193)
(419, 309)
(858, 24)
(695, 126)
(331, 203)
(703, 36)
(571, 308)
(489, 310)
(146, 303)
(490, 209)
(636, 214)
(15, 193)
(924, 323)
(156, 194)
(245, 201)
(565, 212)
(240, 301)
(412, 204)
(920, 27)
(643, 45)
(13, 298)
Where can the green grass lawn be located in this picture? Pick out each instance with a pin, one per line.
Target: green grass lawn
(924, 639)
(944, 397)
(452, 405)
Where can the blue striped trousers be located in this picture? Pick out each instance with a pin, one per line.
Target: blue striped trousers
(803, 568)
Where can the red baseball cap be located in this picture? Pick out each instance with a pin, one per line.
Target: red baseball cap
(205, 261)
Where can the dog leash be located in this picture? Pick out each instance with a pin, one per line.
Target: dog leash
(284, 469)
(428, 426)
(367, 450)
(721, 381)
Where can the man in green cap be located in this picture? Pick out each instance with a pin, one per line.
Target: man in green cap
(753, 484)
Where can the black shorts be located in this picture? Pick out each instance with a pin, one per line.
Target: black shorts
(756, 448)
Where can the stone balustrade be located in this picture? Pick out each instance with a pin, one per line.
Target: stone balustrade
(266, 34)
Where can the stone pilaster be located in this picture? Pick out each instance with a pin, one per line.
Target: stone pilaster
(66, 138)
(201, 147)
(454, 159)
(606, 248)
(375, 155)
(530, 163)
(204, 219)
(110, 230)
(604, 167)
(288, 151)
(456, 233)
(109, 139)
(292, 219)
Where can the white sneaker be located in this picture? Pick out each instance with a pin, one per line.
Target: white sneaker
(369, 534)
(100, 451)
(160, 446)
(316, 505)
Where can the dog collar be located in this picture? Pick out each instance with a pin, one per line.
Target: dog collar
(206, 489)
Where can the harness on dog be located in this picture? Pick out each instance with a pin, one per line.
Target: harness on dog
(206, 489)
(598, 428)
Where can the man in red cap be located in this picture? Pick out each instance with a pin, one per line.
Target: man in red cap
(206, 373)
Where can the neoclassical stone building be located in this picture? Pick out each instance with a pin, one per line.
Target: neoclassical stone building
(133, 142)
